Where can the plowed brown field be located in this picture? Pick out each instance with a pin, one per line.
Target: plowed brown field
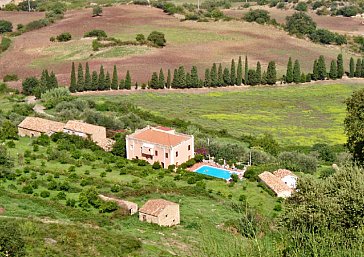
(188, 43)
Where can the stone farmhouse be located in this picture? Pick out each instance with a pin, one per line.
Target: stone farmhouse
(130, 206)
(34, 127)
(281, 182)
(160, 144)
(161, 212)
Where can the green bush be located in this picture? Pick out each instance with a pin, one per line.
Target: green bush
(301, 6)
(37, 24)
(10, 77)
(4, 44)
(96, 11)
(298, 162)
(109, 206)
(300, 24)
(156, 166)
(157, 38)
(96, 33)
(11, 240)
(64, 37)
(45, 194)
(259, 16)
(5, 26)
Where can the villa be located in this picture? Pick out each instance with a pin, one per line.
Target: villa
(34, 127)
(287, 177)
(161, 212)
(160, 144)
(277, 184)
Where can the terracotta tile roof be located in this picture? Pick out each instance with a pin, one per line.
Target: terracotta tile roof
(164, 128)
(41, 125)
(152, 135)
(84, 127)
(155, 207)
(281, 173)
(274, 182)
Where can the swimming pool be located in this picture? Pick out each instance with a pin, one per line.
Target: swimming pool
(214, 172)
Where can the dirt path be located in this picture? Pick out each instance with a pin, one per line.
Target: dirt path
(217, 89)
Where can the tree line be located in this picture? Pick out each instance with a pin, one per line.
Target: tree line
(237, 73)
(36, 87)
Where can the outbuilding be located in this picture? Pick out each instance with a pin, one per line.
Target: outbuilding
(161, 212)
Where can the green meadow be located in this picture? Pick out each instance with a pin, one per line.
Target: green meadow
(295, 115)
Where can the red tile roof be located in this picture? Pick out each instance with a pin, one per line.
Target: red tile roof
(41, 125)
(155, 207)
(164, 128)
(274, 182)
(281, 173)
(152, 135)
(84, 127)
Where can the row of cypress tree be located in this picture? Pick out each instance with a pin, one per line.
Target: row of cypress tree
(216, 76)
(87, 81)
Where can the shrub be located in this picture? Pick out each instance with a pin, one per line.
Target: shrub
(234, 177)
(140, 38)
(259, 16)
(96, 45)
(5, 26)
(52, 39)
(27, 189)
(108, 206)
(37, 24)
(10, 77)
(64, 37)
(141, 2)
(157, 38)
(298, 162)
(301, 6)
(96, 11)
(11, 240)
(348, 11)
(45, 194)
(29, 84)
(300, 24)
(96, 33)
(4, 44)
(156, 166)
(61, 196)
(71, 202)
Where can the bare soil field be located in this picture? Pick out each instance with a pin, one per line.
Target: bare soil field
(188, 43)
(20, 17)
(344, 25)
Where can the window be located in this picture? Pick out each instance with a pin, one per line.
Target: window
(166, 215)
(189, 147)
(166, 155)
(156, 153)
(176, 154)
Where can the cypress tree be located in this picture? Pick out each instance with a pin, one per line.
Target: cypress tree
(362, 67)
(233, 78)
(101, 78)
(80, 79)
(227, 77)
(352, 68)
(220, 79)
(107, 81)
(321, 67)
(181, 77)
(195, 81)
(358, 68)
(53, 82)
(303, 78)
(289, 73)
(188, 80)
(264, 78)
(333, 70)
(340, 66)
(44, 80)
(161, 80)
(169, 79)
(115, 79)
(73, 85)
(252, 78)
(213, 75)
(207, 82)
(239, 76)
(315, 71)
(122, 84)
(271, 73)
(246, 69)
(175, 78)
(128, 80)
(154, 82)
(88, 81)
(94, 81)
(296, 72)
(258, 73)
(136, 86)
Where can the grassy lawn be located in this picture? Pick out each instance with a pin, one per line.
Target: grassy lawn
(301, 115)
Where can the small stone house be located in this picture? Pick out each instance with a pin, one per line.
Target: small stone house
(34, 127)
(276, 184)
(130, 206)
(287, 177)
(161, 212)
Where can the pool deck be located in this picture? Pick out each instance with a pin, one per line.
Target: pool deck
(240, 173)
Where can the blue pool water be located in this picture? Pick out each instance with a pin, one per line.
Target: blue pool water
(214, 172)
